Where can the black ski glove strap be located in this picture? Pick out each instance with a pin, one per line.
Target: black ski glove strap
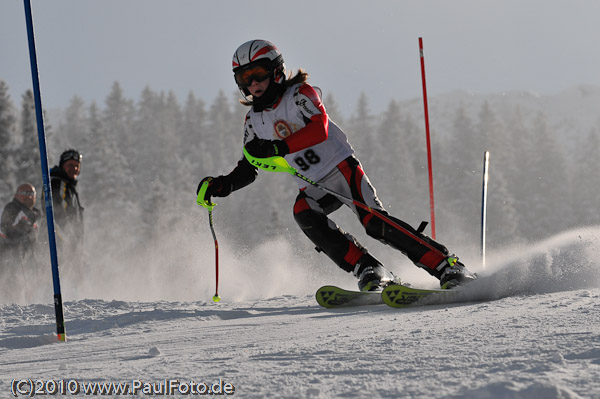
(281, 148)
(242, 175)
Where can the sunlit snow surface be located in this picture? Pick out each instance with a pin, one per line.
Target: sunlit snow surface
(529, 327)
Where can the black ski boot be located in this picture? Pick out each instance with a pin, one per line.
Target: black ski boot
(454, 273)
(371, 274)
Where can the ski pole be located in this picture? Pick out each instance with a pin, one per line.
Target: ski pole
(484, 191)
(209, 206)
(279, 164)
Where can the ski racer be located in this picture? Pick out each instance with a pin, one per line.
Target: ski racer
(287, 118)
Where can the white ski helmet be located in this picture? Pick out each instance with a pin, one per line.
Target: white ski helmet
(259, 52)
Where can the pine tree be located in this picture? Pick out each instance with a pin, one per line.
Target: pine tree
(586, 182)
(118, 131)
(7, 119)
(360, 131)
(118, 117)
(502, 217)
(547, 184)
(193, 135)
(517, 158)
(456, 182)
(395, 173)
(8, 165)
(503, 222)
(28, 153)
(150, 155)
(118, 155)
(98, 169)
(224, 141)
(74, 128)
(414, 138)
(332, 109)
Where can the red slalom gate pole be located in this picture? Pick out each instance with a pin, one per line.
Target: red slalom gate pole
(429, 164)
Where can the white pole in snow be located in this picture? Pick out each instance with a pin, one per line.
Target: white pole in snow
(486, 162)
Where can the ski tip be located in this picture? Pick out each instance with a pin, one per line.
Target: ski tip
(335, 297)
(322, 295)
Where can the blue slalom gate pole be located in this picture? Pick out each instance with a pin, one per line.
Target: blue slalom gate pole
(58, 306)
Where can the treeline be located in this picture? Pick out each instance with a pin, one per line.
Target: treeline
(144, 158)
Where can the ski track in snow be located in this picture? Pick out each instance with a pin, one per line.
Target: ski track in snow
(528, 328)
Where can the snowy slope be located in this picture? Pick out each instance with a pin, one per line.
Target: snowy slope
(529, 328)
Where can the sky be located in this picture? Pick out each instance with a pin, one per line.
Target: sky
(348, 47)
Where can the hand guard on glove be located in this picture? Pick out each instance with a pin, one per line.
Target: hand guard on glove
(219, 186)
(261, 148)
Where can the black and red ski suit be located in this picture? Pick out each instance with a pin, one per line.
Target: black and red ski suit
(320, 151)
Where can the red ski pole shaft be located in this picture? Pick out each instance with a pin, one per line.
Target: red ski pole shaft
(216, 297)
(429, 163)
(205, 202)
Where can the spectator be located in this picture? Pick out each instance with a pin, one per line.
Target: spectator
(68, 212)
(18, 224)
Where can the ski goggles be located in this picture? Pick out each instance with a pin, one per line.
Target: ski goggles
(258, 73)
(68, 155)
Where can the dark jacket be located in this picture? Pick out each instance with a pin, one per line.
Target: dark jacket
(19, 226)
(65, 199)
(68, 212)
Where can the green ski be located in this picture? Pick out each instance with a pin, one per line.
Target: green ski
(330, 296)
(394, 295)
(400, 296)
